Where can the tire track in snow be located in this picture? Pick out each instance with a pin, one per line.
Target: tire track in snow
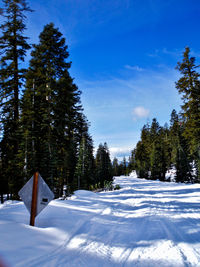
(97, 248)
(166, 225)
(189, 255)
(41, 261)
(169, 228)
(55, 252)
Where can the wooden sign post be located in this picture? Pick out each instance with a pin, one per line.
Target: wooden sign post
(36, 195)
(34, 199)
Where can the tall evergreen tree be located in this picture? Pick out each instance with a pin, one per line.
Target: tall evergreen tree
(115, 167)
(84, 173)
(140, 160)
(189, 86)
(52, 117)
(47, 65)
(125, 167)
(155, 150)
(179, 149)
(13, 45)
(142, 153)
(132, 163)
(103, 165)
(69, 125)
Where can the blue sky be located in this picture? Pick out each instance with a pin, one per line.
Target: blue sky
(123, 54)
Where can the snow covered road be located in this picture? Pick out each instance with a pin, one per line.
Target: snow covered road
(146, 223)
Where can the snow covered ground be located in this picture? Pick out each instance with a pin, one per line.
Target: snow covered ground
(146, 223)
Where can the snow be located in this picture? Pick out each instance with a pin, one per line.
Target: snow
(145, 223)
(171, 174)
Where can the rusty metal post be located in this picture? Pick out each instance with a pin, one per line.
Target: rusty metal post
(34, 199)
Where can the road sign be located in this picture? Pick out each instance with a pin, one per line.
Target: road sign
(36, 195)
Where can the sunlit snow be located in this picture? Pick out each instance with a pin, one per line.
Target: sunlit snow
(145, 223)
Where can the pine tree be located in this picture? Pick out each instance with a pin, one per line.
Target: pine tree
(108, 165)
(47, 65)
(132, 163)
(165, 151)
(13, 45)
(156, 150)
(179, 149)
(52, 115)
(142, 153)
(84, 173)
(124, 163)
(115, 167)
(103, 165)
(189, 86)
(69, 125)
(140, 157)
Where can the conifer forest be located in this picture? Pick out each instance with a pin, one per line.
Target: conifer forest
(43, 126)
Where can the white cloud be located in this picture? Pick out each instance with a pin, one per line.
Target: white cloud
(176, 53)
(140, 112)
(135, 68)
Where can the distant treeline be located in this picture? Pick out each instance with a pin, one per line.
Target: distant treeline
(177, 145)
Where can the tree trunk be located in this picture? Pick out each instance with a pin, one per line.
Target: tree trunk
(2, 200)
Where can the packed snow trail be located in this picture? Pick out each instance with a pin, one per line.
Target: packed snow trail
(145, 223)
